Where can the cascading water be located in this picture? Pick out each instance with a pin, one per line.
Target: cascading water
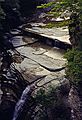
(20, 104)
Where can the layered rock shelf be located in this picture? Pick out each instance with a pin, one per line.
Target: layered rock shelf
(56, 37)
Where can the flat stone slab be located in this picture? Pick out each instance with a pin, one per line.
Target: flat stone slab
(17, 41)
(61, 34)
(22, 40)
(41, 54)
(42, 59)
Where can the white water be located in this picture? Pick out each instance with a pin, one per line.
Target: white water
(20, 103)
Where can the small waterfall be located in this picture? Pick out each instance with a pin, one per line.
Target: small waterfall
(21, 103)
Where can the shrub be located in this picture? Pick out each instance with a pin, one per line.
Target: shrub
(74, 65)
(51, 104)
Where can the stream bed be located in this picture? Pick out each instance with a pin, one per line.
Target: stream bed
(33, 54)
(31, 62)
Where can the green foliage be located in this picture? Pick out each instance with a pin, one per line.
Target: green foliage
(63, 5)
(50, 104)
(46, 5)
(60, 6)
(74, 66)
(46, 98)
(57, 24)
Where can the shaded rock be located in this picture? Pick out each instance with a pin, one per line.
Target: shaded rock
(74, 100)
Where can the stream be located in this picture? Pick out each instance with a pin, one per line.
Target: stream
(21, 103)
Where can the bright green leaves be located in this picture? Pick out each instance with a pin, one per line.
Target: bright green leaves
(46, 5)
(63, 5)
